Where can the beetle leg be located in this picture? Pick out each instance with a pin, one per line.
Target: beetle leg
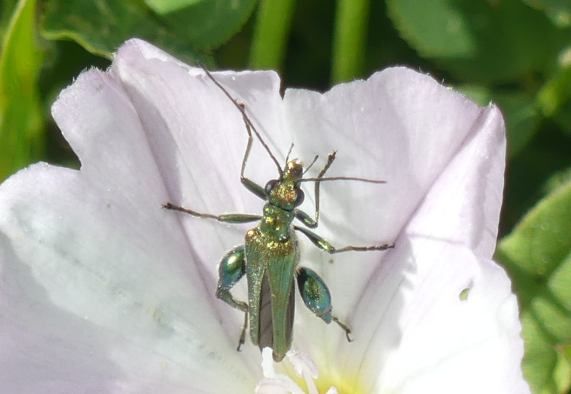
(301, 215)
(345, 328)
(225, 218)
(314, 293)
(243, 333)
(247, 182)
(250, 129)
(305, 218)
(317, 297)
(231, 269)
(330, 159)
(326, 246)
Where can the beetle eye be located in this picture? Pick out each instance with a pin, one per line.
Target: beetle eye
(299, 198)
(270, 185)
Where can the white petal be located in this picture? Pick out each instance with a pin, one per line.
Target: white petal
(103, 293)
(208, 135)
(463, 205)
(411, 324)
(440, 342)
(278, 385)
(274, 383)
(400, 126)
(108, 292)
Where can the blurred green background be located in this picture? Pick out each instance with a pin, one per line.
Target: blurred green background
(516, 53)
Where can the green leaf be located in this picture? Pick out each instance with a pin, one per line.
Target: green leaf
(484, 41)
(100, 26)
(162, 7)
(558, 10)
(21, 121)
(6, 10)
(556, 92)
(537, 255)
(556, 180)
(563, 369)
(554, 98)
(563, 118)
(209, 23)
(522, 118)
(519, 109)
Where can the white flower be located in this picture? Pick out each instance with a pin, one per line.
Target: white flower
(102, 291)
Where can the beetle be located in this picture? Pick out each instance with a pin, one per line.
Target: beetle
(269, 257)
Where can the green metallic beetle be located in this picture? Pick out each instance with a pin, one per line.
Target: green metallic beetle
(269, 256)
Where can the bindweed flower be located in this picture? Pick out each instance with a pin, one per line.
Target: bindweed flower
(103, 291)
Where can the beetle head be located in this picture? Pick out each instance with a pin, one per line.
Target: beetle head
(285, 192)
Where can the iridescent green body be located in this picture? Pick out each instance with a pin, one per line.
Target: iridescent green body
(272, 255)
(269, 257)
(270, 270)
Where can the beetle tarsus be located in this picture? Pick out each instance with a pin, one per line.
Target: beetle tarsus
(345, 328)
(352, 248)
(385, 246)
(242, 339)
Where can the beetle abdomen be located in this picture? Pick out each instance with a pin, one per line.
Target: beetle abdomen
(270, 267)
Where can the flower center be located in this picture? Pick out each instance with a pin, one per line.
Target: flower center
(301, 376)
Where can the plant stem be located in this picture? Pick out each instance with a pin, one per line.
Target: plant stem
(271, 33)
(349, 39)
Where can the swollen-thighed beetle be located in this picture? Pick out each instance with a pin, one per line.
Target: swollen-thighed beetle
(269, 256)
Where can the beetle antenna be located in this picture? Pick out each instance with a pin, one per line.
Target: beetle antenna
(289, 153)
(311, 164)
(244, 115)
(341, 178)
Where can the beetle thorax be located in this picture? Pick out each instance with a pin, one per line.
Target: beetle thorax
(276, 222)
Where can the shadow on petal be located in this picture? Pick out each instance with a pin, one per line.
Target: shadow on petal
(44, 348)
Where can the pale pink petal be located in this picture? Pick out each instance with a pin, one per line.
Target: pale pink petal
(105, 291)
(101, 290)
(399, 126)
(445, 159)
(198, 138)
